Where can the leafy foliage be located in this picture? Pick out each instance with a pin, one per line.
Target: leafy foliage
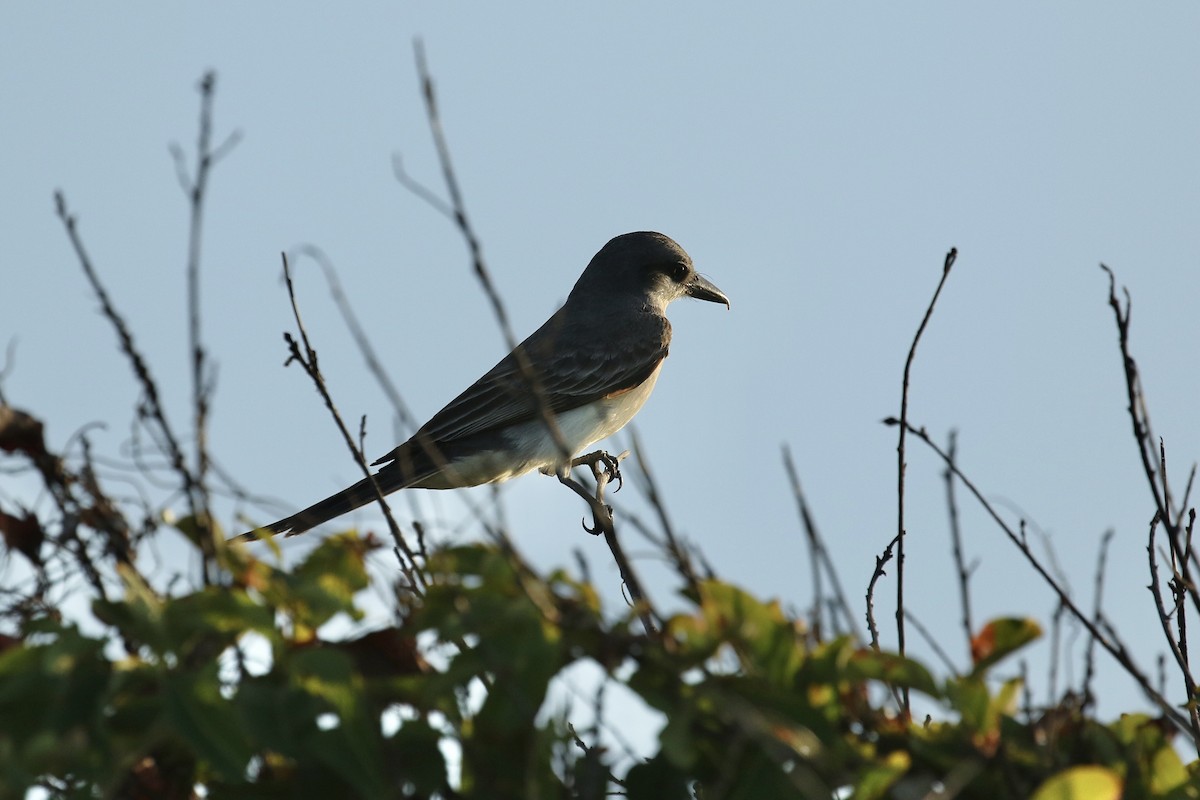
(752, 708)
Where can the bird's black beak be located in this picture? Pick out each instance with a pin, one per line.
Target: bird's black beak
(702, 289)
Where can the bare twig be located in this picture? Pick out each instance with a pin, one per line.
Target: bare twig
(458, 213)
(307, 359)
(1177, 645)
(1180, 546)
(900, 457)
(1089, 659)
(814, 546)
(206, 157)
(203, 377)
(604, 469)
(151, 407)
(374, 365)
(674, 547)
(1139, 417)
(933, 643)
(10, 361)
(880, 562)
(960, 563)
(1108, 642)
(820, 554)
(1056, 658)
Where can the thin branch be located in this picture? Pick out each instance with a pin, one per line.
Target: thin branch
(419, 189)
(900, 457)
(604, 469)
(1056, 624)
(10, 362)
(308, 362)
(1089, 659)
(933, 643)
(374, 364)
(820, 553)
(1139, 416)
(1110, 644)
(1180, 549)
(459, 215)
(1177, 646)
(674, 547)
(960, 564)
(202, 377)
(151, 407)
(814, 546)
(880, 562)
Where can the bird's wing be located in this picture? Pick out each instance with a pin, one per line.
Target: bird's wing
(571, 370)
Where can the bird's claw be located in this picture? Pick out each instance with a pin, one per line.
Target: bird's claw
(611, 466)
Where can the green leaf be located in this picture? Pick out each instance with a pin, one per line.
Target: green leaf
(656, 780)
(138, 617)
(760, 632)
(216, 610)
(196, 711)
(412, 754)
(892, 669)
(874, 782)
(53, 686)
(325, 583)
(1080, 783)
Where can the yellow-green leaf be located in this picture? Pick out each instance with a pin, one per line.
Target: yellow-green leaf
(1081, 783)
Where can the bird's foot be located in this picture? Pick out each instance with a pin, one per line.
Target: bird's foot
(605, 467)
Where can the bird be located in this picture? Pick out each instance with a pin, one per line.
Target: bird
(589, 369)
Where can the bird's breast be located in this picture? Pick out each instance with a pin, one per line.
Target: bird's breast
(531, 445)
(583, 426)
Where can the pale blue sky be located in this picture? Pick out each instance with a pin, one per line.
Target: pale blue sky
(817, 162)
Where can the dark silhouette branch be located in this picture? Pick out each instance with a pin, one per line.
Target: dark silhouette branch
(820, 553)
(458, 212)
(1153, 464)
(151, 407)
(880, 562)
(1178, 644)
(408, 422)
(960, 563)
(675, 548)
(1089, 659)
(1110, 643)
(307, 359)
(900, 458)
(203, 378)
(605, 468)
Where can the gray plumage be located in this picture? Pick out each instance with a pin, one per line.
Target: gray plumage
(593, 363)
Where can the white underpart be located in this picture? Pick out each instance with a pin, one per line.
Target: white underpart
(531, 445)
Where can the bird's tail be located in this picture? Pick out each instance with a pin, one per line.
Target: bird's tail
(335, 505)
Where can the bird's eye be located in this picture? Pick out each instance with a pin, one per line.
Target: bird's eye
(678, 272)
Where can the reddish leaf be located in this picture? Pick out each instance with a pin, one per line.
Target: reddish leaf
(20, 432)
(23, 534)
(1001, 637)
(384, 653)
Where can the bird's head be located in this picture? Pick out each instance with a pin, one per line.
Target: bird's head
(644, 266)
